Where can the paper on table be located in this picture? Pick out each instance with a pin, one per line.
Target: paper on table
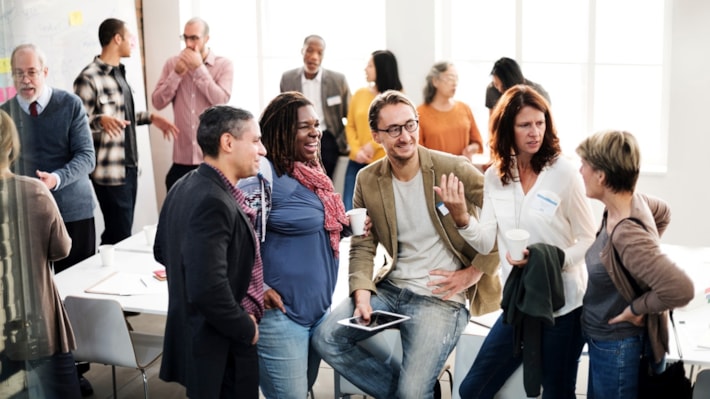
(119, 283)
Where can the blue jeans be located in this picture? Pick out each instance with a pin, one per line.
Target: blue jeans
(427, 340)
(118, 204)
(614, 367)
(561, 347)
(349, 184)
(288, 365)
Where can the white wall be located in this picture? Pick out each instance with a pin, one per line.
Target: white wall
(686, 185)
(162, 27)
(412, 35)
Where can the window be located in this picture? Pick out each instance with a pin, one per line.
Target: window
(602, 65)
(264, 38)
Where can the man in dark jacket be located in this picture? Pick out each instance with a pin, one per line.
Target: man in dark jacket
(215, 283)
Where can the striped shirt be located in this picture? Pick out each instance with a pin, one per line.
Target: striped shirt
(253, 302)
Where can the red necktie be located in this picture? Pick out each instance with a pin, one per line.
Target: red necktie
(33, 108)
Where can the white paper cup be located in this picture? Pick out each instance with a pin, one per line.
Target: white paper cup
(517, 242)
(149, 231)
(357, 220)
(106, 252)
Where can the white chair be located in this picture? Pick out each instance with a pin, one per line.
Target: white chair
(386, 346)
(103, 336)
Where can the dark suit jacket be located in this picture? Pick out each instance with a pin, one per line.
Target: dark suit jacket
(207, 244)
(333, 85)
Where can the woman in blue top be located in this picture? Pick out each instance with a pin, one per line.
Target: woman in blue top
(299, 249)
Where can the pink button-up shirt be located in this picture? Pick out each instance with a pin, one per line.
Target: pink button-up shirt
(190, 94)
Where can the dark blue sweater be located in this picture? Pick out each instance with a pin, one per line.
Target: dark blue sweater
(58, 140)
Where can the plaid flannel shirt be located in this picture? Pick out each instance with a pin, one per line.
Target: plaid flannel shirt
(102, 95)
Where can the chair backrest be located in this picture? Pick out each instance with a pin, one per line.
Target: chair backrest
(701, 390)
(101, 331)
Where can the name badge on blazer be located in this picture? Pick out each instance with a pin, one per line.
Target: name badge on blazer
(333, 100)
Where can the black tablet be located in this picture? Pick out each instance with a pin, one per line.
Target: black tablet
(379, 319)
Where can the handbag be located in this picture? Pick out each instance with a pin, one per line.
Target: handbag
(671, 383)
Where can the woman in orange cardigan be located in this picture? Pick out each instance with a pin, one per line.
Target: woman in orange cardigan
(444, 123)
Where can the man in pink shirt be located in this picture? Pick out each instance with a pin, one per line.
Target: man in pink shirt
(192, 81)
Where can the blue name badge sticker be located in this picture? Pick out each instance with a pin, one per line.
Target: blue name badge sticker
(442, 208)
(546, 202)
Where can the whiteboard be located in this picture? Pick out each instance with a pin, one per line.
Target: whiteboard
(67, 31)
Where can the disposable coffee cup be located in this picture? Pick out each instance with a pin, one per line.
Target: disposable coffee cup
(357, 220)
(106, 252)
(517, 242)
(149, 231)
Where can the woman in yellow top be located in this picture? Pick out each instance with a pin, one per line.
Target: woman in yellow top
(382, 74)
(444, 123)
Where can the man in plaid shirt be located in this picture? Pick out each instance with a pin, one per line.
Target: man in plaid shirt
(108, 100)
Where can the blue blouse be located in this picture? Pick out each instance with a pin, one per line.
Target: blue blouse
(299, 262)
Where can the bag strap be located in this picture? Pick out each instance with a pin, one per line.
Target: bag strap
(675, 334)
(632, 281)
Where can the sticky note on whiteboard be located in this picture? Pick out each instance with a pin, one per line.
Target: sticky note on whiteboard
(5, 65)
(76, 18)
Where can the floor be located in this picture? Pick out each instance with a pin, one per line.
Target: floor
(130, 385)
(129, 382)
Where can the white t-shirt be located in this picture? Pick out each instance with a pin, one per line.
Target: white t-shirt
(312, 91)
(420, 247)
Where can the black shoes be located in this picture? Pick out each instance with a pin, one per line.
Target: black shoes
(86, 388)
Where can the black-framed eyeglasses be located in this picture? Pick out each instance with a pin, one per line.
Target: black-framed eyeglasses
(396, 130)
(194, 38)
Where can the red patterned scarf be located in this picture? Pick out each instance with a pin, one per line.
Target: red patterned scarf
(313, 178)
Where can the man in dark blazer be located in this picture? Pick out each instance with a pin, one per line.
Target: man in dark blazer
(330, 95)
(206, 241)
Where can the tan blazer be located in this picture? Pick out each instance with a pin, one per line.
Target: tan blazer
(374, 191)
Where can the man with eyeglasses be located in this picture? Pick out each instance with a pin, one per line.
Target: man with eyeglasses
(330, 94)
(56, 147)
(108, 100)
(192, 81)
(431, 271)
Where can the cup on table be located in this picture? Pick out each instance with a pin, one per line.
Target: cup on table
(149, 231)
(357, 220)
(106, 252)
(517, 240)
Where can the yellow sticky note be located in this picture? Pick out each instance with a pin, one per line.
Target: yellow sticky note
(76, 18)
(5, 65)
